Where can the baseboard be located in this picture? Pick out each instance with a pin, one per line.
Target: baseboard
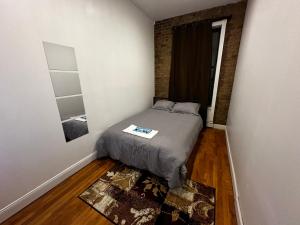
(219, 126)
(235, 189)
(26, 199)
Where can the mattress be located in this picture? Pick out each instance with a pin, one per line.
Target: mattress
(165, 155)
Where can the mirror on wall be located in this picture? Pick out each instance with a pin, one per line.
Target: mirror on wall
(65, 80)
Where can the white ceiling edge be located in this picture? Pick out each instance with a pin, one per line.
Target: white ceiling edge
(142, 10)
(163, 9)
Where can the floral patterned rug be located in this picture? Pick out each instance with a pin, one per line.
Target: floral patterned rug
(127, 196)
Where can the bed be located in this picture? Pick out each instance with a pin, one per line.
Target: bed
(165, 155)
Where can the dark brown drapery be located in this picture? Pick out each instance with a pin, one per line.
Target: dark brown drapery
(190, 65)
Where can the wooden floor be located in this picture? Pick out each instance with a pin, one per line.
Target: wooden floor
(62, 206)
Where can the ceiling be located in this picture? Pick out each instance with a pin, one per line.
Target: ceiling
(163, 9)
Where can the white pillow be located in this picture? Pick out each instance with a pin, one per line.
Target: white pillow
(164, 105)
(187, 108)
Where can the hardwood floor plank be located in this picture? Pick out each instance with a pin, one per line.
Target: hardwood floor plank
(61, 205)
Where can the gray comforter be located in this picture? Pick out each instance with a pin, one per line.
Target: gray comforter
(165, 154)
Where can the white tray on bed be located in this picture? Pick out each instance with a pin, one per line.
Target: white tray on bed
(132, 130)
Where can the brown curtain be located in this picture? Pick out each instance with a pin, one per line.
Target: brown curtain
(191, 64)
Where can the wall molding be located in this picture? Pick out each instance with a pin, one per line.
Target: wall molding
(234, 183)
(26, 199)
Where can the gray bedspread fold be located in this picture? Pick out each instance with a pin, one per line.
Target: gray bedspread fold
(165, 154)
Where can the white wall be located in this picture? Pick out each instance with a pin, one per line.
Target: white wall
(263, 122)
(113, 41)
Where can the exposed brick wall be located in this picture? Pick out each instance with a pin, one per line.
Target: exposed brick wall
(163, 46)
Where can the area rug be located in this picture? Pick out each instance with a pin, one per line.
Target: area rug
(127, 196)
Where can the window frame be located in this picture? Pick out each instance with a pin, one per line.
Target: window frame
(211, 110)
